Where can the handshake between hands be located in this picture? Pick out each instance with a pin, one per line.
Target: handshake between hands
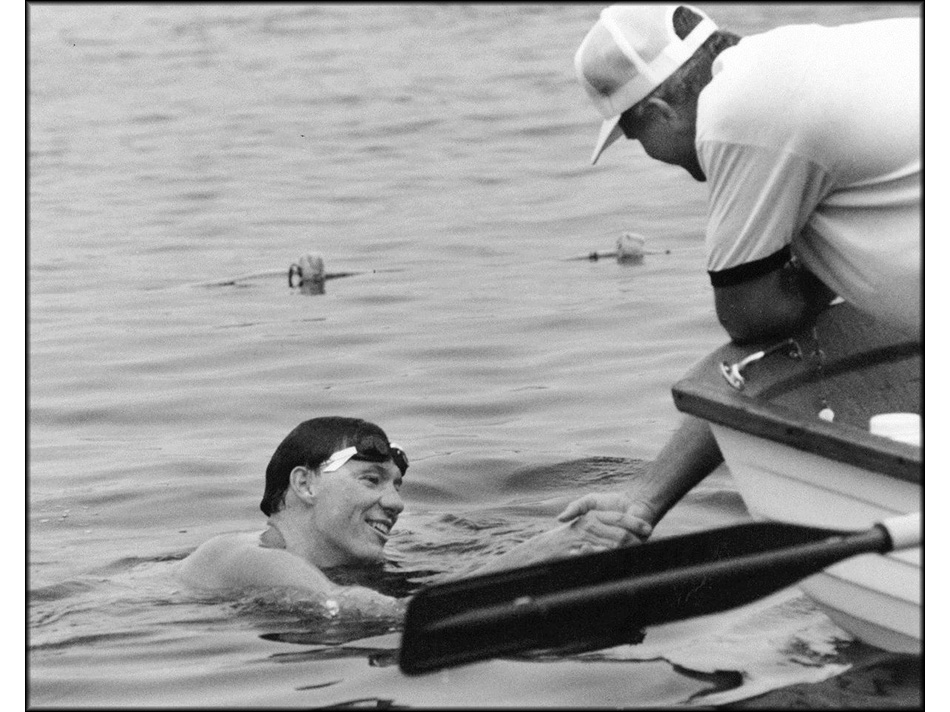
(602, 521)
(592, 523)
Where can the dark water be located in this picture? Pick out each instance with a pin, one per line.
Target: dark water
(441, 153)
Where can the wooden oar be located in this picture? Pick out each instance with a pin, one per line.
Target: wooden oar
(604, 599)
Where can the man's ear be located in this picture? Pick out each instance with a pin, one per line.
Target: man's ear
(301, 483)
(662, 108)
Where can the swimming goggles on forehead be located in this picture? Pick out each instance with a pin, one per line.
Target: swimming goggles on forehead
(372, 449)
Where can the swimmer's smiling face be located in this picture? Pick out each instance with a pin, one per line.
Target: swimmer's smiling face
(355, 508)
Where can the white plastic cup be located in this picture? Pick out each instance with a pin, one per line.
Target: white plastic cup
(904, 427)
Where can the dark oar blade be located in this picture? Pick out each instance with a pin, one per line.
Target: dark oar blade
(604, 599)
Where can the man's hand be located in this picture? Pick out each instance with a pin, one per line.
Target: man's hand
(588, 533)
(689, 455)
(598, 529)
(616, 509)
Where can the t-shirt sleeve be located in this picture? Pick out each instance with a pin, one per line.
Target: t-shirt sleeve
(760, 198)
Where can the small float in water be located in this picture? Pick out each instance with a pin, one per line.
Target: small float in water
(630, 249)
(311, 274)
(309, 271)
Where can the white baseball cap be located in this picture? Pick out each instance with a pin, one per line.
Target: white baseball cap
(627, 54)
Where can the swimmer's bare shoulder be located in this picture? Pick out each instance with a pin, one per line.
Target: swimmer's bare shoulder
(239, 561)
(233, 561)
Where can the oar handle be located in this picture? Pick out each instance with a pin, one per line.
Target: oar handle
(904, 531)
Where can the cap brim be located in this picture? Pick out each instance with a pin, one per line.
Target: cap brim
(610, 131)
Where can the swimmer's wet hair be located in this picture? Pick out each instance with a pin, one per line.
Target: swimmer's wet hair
(309, 445)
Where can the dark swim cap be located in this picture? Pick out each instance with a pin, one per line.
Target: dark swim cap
(310, 444)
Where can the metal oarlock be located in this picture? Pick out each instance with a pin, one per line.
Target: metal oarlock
(733, 373)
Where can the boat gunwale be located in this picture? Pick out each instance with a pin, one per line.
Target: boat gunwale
(704, 393)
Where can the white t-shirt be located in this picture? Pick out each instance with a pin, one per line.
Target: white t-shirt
(810, 137)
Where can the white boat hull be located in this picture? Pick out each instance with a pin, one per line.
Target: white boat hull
(876, 598)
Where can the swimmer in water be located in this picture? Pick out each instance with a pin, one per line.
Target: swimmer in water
(332, 498)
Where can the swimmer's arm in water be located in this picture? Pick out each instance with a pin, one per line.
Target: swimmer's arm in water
(237, 561)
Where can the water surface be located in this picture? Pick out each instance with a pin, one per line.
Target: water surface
(441, 152)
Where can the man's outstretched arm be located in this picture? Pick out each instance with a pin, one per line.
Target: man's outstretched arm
(685, 460)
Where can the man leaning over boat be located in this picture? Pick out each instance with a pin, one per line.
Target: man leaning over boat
(809, 138)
